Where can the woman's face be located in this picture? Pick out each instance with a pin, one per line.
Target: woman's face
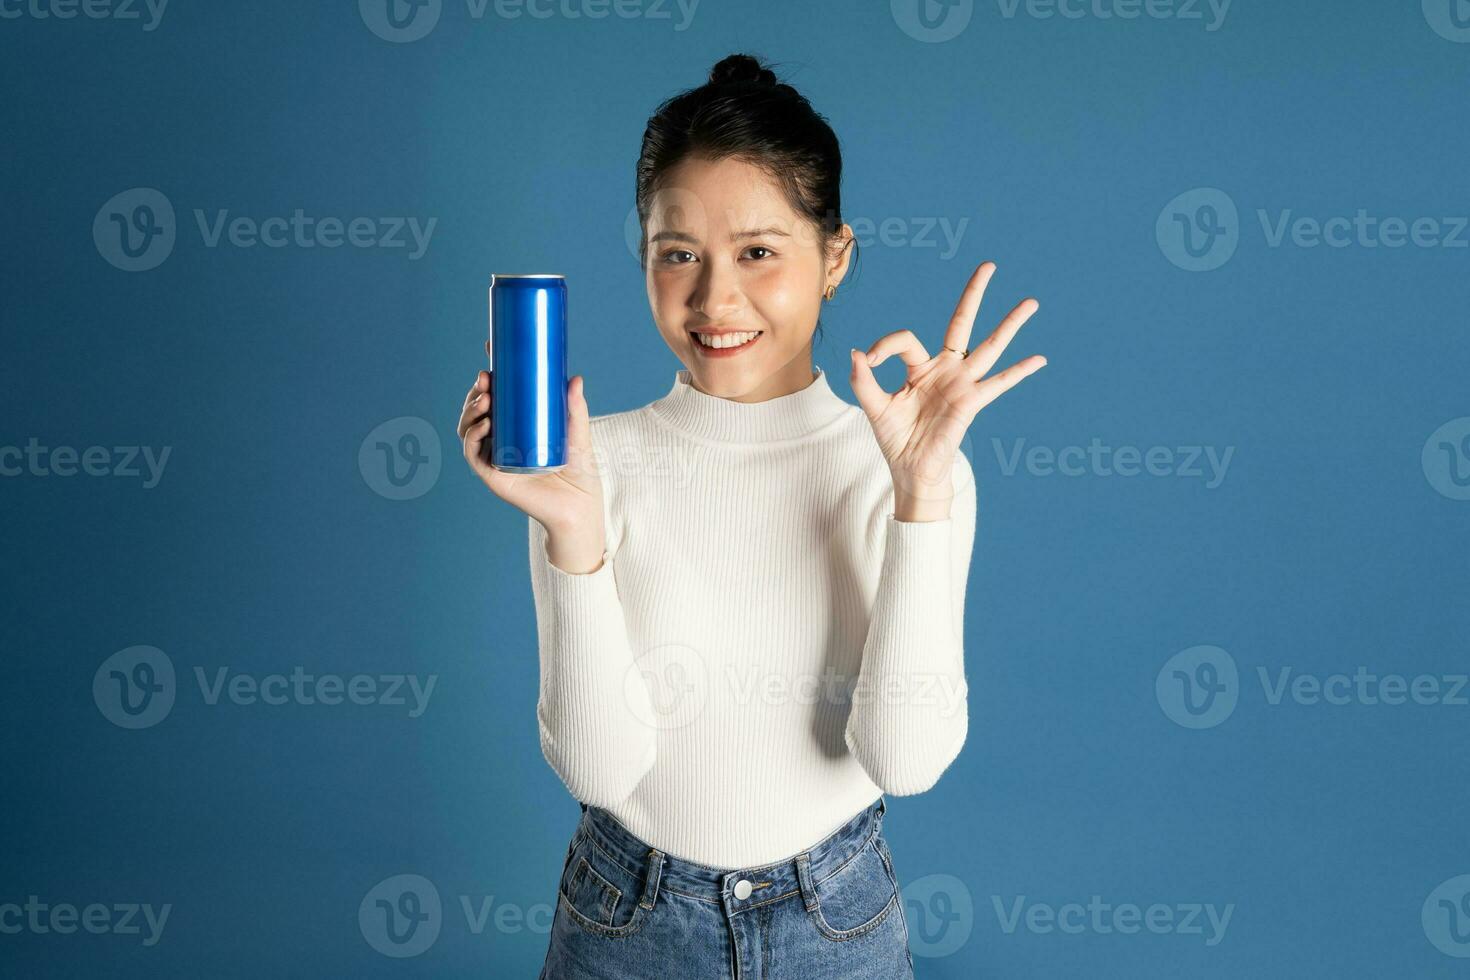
(728, 257)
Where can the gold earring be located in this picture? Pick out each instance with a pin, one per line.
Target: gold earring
(830, 292)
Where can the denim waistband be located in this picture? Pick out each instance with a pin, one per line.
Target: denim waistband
(768, 882)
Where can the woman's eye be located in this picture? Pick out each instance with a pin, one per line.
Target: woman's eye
(671, 257)
(760, 248)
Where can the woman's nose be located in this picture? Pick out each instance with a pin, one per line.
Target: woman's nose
(718, 295)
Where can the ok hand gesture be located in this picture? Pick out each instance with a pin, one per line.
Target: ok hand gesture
(919, 427)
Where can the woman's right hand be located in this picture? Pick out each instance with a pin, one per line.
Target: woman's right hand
(567, 502)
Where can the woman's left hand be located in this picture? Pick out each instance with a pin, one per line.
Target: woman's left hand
(920, 426)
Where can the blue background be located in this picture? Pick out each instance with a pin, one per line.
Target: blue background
(264, 546)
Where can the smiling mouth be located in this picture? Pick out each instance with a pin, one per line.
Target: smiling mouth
(723, 344)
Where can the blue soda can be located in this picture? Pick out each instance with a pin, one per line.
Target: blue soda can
(528, 361)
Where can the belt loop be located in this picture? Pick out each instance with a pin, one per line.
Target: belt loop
(804, 880)
(650, 882)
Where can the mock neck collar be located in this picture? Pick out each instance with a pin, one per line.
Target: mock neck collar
(719, 419)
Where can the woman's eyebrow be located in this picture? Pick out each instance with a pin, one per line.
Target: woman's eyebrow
(760, 233)
(679, 236)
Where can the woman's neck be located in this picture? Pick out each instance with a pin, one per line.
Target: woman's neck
(792, 377)
(794, 415)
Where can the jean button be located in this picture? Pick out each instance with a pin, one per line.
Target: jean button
(743, 889)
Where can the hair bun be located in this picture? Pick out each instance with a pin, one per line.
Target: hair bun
(741, 69)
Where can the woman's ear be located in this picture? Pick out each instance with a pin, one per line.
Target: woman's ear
(841, 251)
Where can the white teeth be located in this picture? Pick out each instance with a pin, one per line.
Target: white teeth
(728, 339)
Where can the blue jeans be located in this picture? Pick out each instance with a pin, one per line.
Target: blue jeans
(626, 910)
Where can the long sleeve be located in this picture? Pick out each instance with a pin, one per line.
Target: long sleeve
(910, 710)
(593, 708)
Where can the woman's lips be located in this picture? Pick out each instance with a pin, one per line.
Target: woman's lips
(725, 351)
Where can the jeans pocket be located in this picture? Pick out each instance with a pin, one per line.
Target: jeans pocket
(855, 899)
(597, 893)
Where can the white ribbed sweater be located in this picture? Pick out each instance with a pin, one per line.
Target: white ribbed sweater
(765, 649)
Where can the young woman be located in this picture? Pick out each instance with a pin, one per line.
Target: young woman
(750, 593)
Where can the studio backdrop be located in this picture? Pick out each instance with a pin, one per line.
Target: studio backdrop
(270, 645)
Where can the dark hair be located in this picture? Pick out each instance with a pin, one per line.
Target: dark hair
(744, 112)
